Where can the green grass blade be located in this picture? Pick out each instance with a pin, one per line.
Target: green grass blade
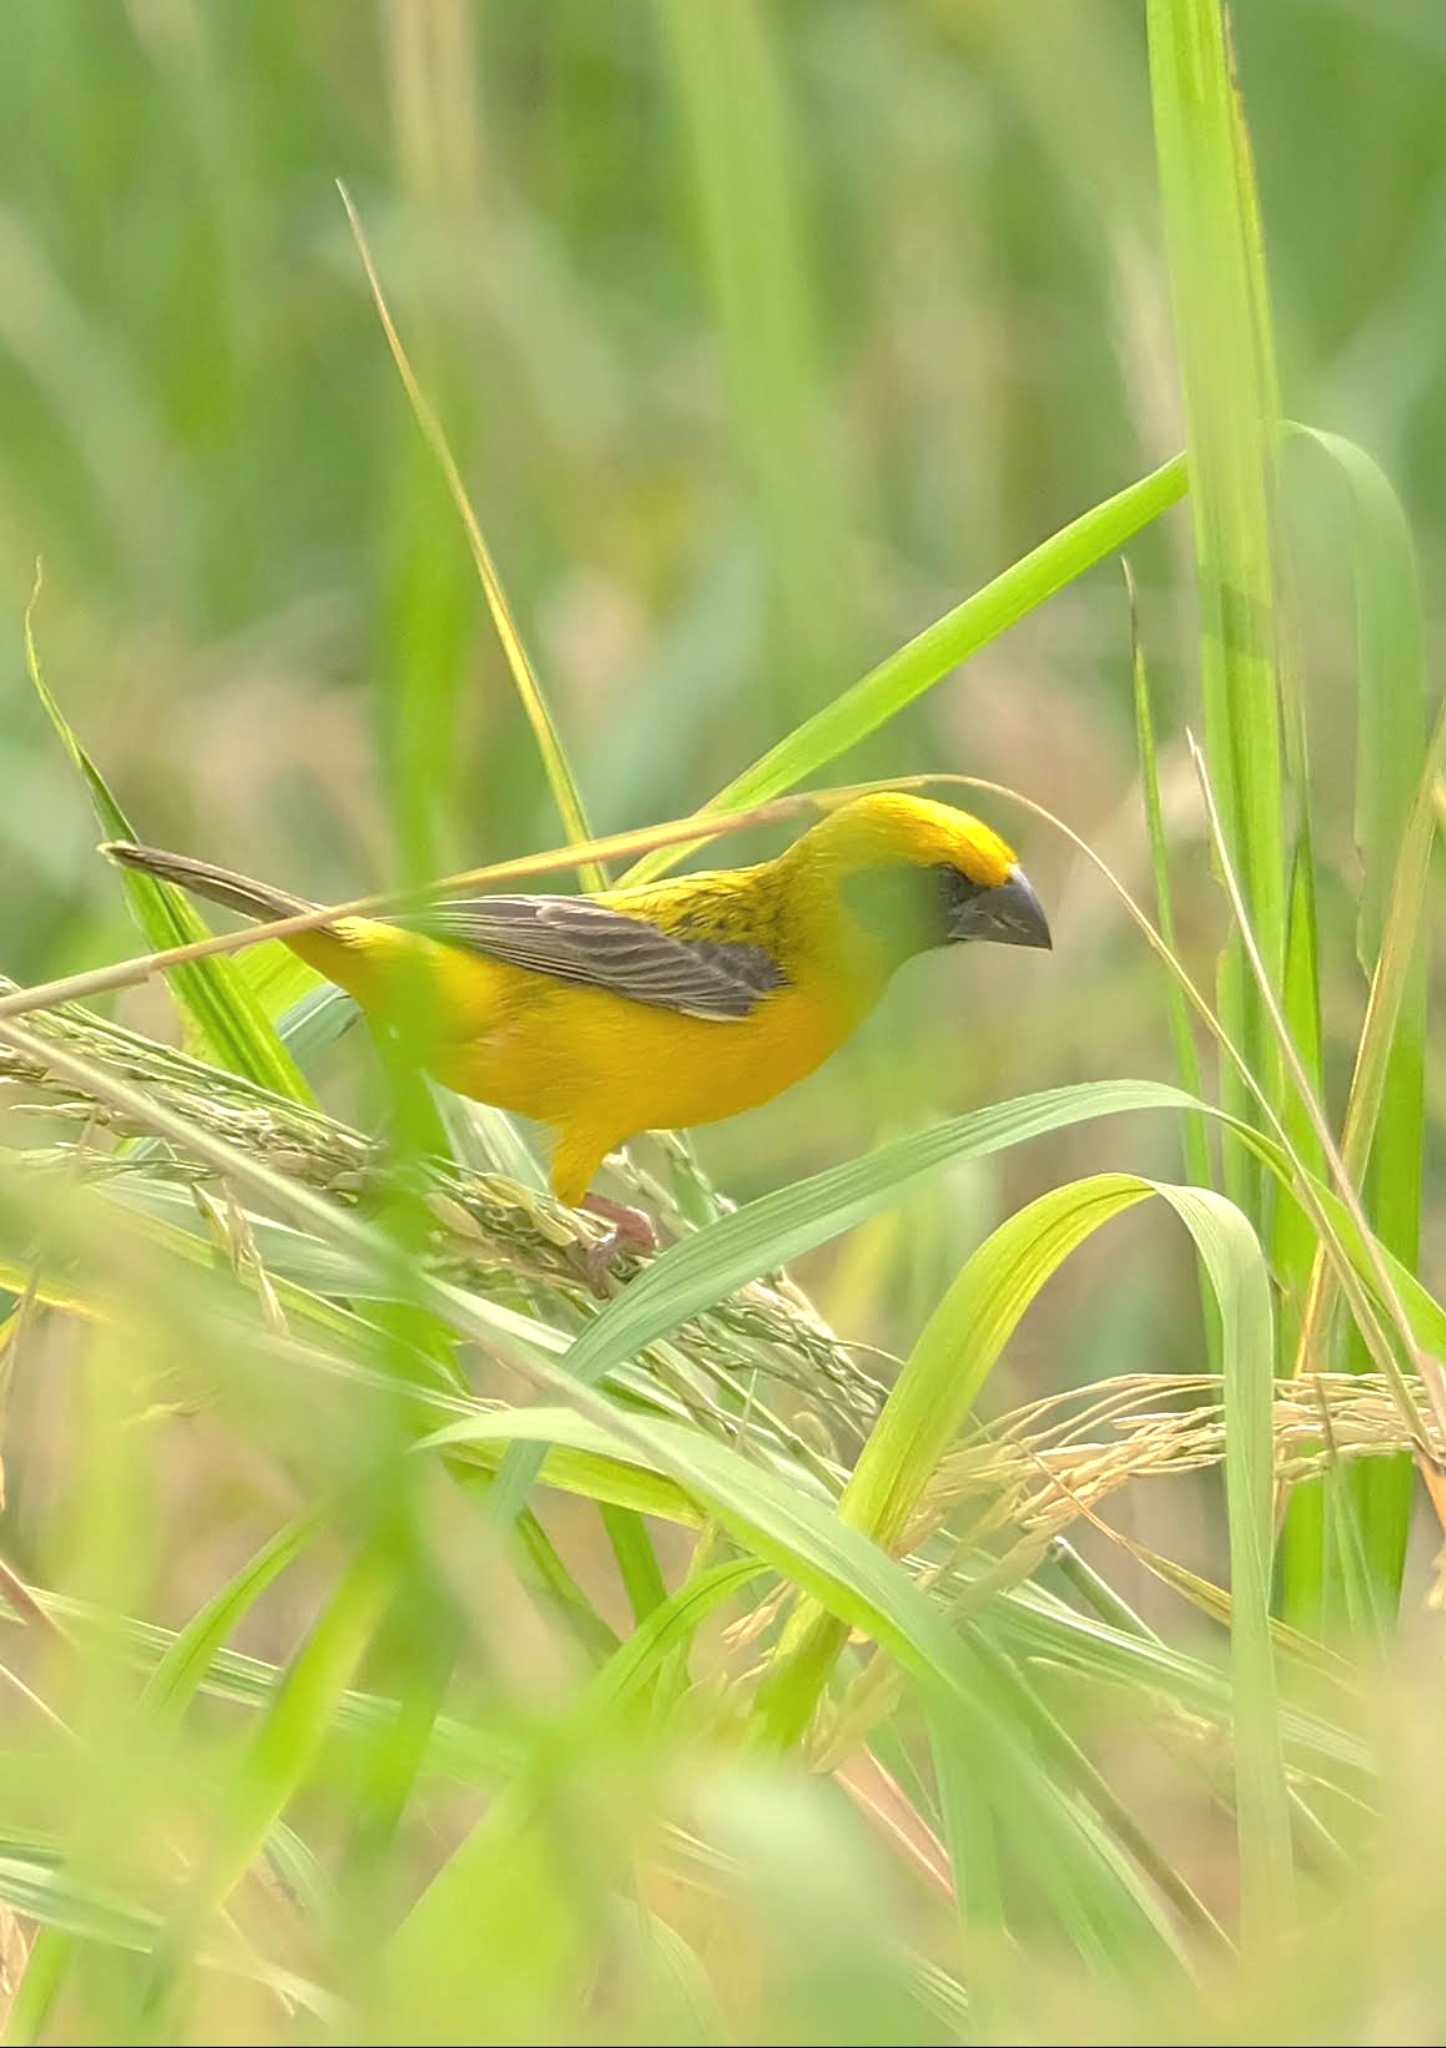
(1292, 1241)
(1198, 1164)
(863, 1588)
(636, 1560)
(1304, 1563)
(291, 1735)
(561, 780)
(972, 1838)
(1217, 278)
(1391, 689)
(1064, 1758)
(779, 1227)
(1305, 1573)
(939, 1383)
(1401, 959)
(1231, 1255)
(60, 1902)
(543, 1570)
(930, 656)
(1382, 1141)
(1182, 1038)
(962, 1341)
(956, 1351)
(1388, 1294)
(180, 1673)
(230, 1023)
(46, 1967)
(667, 1629)
(1295, 1250)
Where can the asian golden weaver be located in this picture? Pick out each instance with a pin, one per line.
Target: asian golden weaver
(674, 1003)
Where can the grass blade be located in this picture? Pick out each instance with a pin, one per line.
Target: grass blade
(777, 1228)
(1231, 1255)
(939, 1383)
(636, 1560)
(1187, 1057)
(865, 1589)
(1217, 278)
(290, 1737)
(1384, 1268)
(929, 657)
(230, 1023)
(957, 1349)
(182, 1671)
(566, 794)
(1382, 1137)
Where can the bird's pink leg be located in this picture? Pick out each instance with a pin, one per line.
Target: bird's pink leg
(632, 1231)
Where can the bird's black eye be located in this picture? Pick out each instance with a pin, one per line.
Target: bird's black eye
(956, 893)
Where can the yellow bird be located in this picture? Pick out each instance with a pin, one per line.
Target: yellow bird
(675, 1003)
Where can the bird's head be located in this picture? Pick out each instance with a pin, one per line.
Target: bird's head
(917, 874)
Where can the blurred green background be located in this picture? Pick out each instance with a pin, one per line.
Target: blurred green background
(764, 332)
(763, 336)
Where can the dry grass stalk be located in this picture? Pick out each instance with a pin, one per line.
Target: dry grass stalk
(508, 1241)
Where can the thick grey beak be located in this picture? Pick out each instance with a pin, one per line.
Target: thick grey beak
(1011, 915)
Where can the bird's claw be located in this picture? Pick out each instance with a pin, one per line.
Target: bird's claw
(632, 1233)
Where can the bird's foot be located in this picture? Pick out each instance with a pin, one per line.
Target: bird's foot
(632, 1231)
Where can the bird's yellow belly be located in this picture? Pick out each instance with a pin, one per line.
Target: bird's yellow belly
(597, 1067)
(572, 1056)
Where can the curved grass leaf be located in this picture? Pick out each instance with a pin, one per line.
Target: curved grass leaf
(958, 1348)
(297, 1721)
(1382, 1137)
(769, 1232)
(670, 1627)
(863, 1588)
(565, 791)
(938, 1386)
(229, 1021)
(183, 1668)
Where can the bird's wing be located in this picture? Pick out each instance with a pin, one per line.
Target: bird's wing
(579, 941)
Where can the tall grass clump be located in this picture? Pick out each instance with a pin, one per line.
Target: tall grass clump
(404, 1642)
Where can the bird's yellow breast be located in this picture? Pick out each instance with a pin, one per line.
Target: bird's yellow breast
(569, 1054)
(596, 1066)
(601, 1067)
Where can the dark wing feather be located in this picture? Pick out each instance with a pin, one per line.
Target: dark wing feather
(579, 941)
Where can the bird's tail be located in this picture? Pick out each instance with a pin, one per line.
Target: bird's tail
(219, 885)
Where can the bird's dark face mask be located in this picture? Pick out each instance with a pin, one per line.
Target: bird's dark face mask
(1010, 914)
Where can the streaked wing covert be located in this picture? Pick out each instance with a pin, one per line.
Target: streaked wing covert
(586, 943)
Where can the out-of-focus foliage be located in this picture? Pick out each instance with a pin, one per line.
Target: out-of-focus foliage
(763, 335)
